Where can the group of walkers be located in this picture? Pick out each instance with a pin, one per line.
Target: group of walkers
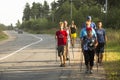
(92, 38)
(66, 37)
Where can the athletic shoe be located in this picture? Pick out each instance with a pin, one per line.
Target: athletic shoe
(67, 59)
(91, 72)
(63, 65)
(100, 64)
(86, 71)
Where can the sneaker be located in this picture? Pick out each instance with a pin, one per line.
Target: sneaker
(100, 64)
(63, 65)
(86, 71)
(67, 59)
(91, 72)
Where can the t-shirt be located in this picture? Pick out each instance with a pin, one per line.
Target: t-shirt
(83, 33)
(61, 37)
(100, 35)
(93, 25)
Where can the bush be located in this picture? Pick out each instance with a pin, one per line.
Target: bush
(37, 26)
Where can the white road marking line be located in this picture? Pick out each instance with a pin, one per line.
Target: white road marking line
(23, 47)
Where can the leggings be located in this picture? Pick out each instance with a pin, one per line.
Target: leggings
(89, 57)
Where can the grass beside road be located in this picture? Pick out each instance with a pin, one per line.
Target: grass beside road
(112, 53)
(3, 36)
(112, 58)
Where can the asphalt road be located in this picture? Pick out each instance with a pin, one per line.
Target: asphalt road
(33, 57)
(29, 57)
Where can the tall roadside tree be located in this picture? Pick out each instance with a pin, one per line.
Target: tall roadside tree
(26, 12)
(18, 24)
(52, 11)
(35, 10)
(45, 9)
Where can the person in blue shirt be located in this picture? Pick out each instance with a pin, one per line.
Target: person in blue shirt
(89, 43)
(83, 31)
(92, 24)
(102, 38)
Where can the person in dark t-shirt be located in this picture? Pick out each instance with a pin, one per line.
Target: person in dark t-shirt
(101, 37)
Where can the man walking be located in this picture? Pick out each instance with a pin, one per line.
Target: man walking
(101, 36)
(61, 36)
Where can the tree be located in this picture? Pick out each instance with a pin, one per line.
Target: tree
(60, 2)
(18, 24)
(45, 9)
(53, 5)
(35, 10)
(26, 12)
(63, 12)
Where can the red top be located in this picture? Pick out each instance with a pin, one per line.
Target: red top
(61, 37)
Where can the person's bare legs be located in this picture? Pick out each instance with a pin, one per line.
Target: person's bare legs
(64, 58)
(61, 61)
(72, 42)
(100, 58)
(64, 55)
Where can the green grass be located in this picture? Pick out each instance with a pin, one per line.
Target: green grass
(3, 36)
(112, 63)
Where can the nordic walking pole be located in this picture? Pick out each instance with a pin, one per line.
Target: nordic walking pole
(69, 57)
(72, 52)
(56, 49)
(82, 54)
(105, 53)
(97, 59)
(56, 53)
(69, 51)
(81, 60)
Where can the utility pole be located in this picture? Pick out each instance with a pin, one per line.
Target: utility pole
(106, 4)
(71, 10)
(53, 12)
(106, 11)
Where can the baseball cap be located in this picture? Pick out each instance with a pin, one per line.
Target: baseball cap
(89, 17)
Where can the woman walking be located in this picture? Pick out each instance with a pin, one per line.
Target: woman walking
(89, 43)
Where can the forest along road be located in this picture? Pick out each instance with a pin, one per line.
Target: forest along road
(33, 57)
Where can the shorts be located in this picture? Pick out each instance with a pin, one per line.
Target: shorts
(73, 35)
(100, 48)
(61, 50)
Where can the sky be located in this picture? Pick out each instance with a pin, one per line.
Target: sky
(12, 10)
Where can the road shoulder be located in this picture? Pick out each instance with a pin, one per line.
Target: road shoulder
(10, 37)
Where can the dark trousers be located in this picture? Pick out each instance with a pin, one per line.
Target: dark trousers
(89, 57)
